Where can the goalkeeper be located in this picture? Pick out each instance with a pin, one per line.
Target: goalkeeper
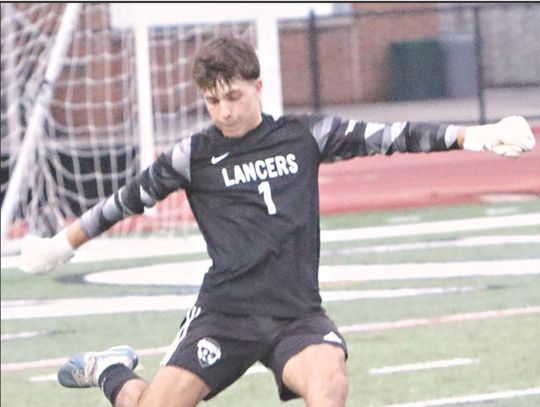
(251, 181)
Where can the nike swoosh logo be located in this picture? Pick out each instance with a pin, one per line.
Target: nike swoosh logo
(219, 158)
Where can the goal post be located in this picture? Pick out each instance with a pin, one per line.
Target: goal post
(144, 91)
(119, 94)
(143, 16)
(17, 182)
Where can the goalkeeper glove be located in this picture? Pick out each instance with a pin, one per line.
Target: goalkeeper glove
(39, 255)
(510, 137)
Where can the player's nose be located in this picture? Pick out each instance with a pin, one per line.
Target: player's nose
(225, 110)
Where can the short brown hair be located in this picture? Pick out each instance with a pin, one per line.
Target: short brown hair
(225, 59)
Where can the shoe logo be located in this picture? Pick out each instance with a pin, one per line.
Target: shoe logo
(208, 352)
(214, 160)
(332, 337)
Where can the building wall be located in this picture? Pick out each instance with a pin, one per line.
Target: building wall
(99, 87)
(510, 40)
(353, 53)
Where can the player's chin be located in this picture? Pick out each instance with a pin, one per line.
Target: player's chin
(232, 131)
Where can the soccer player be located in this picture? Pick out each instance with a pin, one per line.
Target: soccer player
(251, 182)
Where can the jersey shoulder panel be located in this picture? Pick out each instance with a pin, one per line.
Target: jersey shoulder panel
(305, 125)
(203, 142)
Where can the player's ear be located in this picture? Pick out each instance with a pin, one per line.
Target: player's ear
(258, 85)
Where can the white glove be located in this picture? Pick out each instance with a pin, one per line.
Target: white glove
(39, 255)
(510, 137)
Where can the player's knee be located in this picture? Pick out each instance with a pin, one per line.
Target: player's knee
(319, 375)
(328, 389)
(335, 388)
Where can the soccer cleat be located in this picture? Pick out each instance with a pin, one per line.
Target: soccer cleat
(84, 369)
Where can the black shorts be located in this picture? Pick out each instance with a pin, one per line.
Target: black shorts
(220, 347)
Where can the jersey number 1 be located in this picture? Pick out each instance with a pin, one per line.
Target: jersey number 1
(264, 189)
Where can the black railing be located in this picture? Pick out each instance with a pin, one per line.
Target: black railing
(476, 27)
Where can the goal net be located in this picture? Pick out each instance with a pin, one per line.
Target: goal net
(89, 141)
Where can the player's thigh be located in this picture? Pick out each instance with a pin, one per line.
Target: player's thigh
(316, 367)
(214, 348)
(308, 349)
(174, 387)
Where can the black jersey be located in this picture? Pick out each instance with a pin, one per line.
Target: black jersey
(256, 202)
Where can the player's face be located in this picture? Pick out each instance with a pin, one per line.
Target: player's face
(235, 108)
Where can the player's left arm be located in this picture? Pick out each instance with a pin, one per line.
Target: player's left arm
(342, 139)
(510, 137)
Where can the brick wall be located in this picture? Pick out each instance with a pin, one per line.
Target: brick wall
(353, 54)
(353, 60)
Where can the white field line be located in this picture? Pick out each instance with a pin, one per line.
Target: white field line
(36, 364)
(44, 378)
(410, 271)
(31, 309)
(502, 211)
(436, 364)
(22, 335)
(452, 401)
(162, 274)
(476, 398)
(17, 366)
(410, 323)
(192, 273)
(255, 369)
(428, 228)
(437, 244)
(399, 220)
(19, 309)
(126, 248)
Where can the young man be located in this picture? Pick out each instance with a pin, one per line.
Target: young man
(252, 185)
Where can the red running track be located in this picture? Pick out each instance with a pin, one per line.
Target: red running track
(421, 180)
(397, 181)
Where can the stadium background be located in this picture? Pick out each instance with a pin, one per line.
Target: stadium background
(458, 63)
(374, 191)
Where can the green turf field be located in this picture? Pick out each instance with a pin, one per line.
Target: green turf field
(495, 353)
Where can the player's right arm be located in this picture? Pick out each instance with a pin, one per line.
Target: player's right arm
(39, 255)
(170, 172)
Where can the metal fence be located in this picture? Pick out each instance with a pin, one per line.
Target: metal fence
(474, 62)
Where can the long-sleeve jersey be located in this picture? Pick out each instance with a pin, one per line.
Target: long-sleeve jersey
(256, 202)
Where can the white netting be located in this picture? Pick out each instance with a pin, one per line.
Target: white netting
(89, 145)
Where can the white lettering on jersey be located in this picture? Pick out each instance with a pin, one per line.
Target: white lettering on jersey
(271, 167)
(293, 167)
(239, 175)
(228, 182)
(260, 170)
(249, 171)
(281, 165)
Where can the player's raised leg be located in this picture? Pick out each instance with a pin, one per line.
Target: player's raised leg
(172, 386)
(111, 370)
(85, 369)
